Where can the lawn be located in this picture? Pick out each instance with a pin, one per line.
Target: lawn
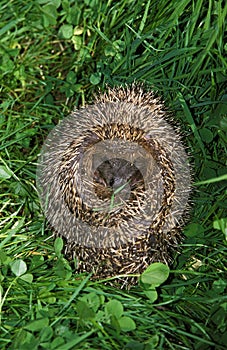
(54, 56)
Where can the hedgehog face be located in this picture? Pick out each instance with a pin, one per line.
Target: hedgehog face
(117, 177)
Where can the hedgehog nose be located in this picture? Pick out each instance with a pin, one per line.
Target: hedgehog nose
(120, 185)
(116, 183)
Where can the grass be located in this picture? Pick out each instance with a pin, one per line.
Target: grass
(53, 56)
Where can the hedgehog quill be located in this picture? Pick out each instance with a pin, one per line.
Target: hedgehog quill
(114, 181)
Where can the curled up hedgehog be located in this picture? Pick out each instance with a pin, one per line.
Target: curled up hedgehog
(114, 181)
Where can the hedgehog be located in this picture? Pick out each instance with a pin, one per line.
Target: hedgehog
(114, 181)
